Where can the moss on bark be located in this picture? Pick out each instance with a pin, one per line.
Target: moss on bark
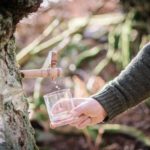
(16, 132)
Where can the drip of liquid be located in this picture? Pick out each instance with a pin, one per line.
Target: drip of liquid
(57, 87)
(57, 83)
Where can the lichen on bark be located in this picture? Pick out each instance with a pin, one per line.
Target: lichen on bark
(16, 132)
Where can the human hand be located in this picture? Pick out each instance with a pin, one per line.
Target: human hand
(61, 107)
(87, 111)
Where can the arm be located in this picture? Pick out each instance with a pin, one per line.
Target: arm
(128, 89)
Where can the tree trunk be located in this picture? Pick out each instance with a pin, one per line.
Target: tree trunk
(16, 132)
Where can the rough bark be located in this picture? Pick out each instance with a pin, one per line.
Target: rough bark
(16, 132)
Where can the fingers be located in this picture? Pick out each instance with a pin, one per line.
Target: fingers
(82, 119)
(78, 120)
(85, 123)
(66, 104)
(83, 111)
(52, 126)
(80, 109)
(63, 122)
(82, 122)
(61, 105)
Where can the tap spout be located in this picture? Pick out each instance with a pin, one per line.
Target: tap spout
(53, 73)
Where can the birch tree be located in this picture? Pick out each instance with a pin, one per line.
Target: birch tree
(16, 132)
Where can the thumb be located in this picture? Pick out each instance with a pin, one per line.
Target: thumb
(80, 109)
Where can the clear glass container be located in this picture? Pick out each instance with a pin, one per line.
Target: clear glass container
(59, 105)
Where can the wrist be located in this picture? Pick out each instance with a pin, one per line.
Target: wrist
(102, 112)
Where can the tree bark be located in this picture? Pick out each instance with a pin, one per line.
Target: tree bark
(16, 132)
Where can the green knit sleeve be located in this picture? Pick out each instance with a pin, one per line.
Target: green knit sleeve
(130, 87)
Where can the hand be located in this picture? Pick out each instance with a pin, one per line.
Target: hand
(64, 105)
(89, 112)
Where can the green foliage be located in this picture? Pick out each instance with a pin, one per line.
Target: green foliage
(39, 102)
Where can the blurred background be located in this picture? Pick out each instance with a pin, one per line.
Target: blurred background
(95, 40)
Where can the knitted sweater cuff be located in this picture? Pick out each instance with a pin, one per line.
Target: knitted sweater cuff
(110, 102)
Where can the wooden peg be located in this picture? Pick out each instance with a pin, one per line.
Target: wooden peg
(54, 58)
(53, 73)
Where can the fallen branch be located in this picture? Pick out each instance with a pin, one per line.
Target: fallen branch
(25, 53)
(87, 54)
(75, 27)
(125, 41)
(109, 55)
